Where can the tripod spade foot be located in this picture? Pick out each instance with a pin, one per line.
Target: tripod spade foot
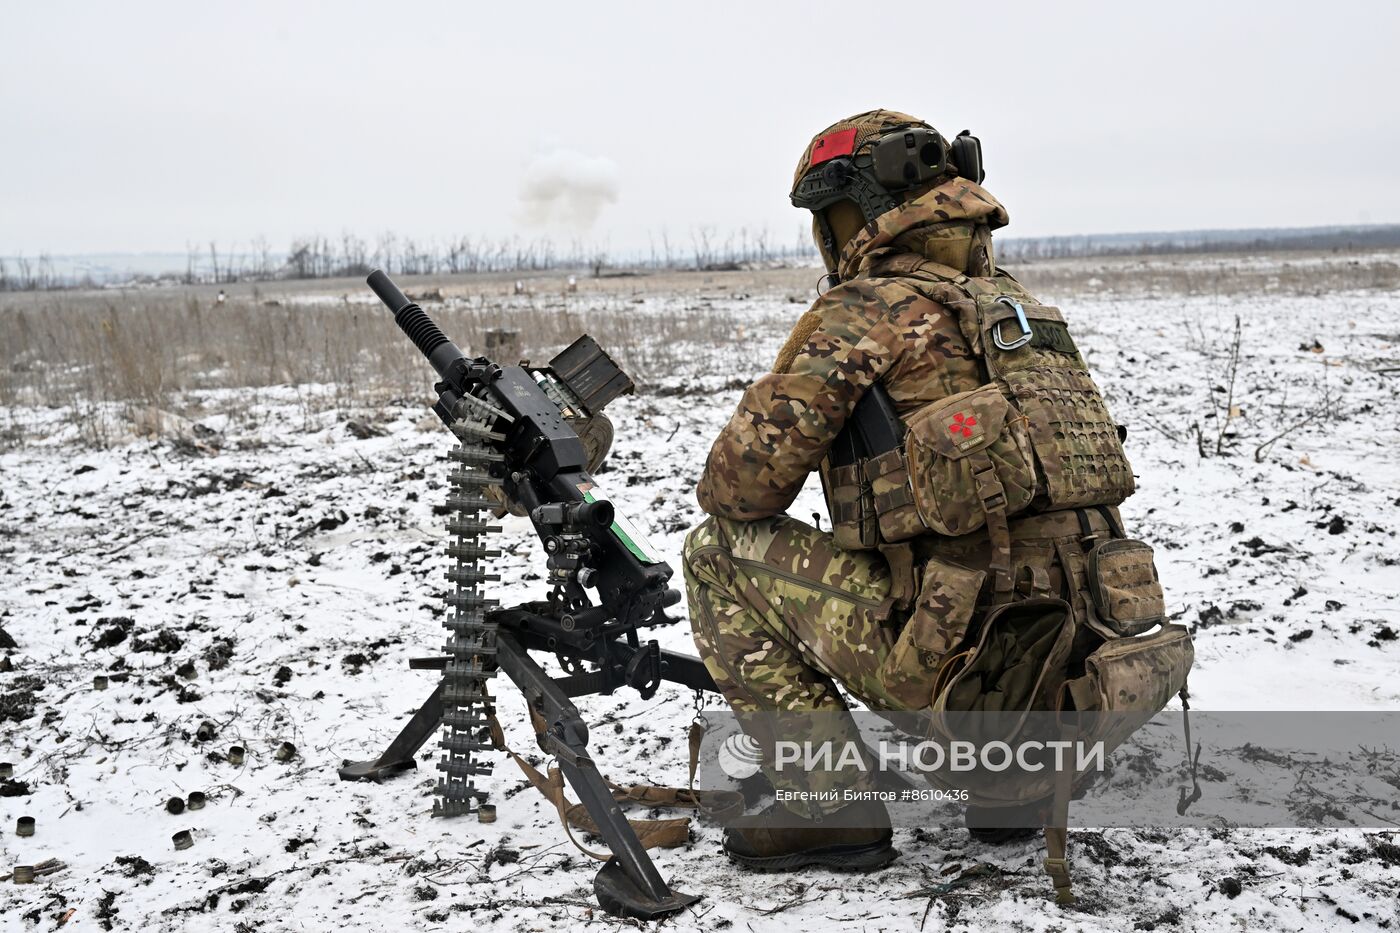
(398, 756)
(620, 896)
(376, 770)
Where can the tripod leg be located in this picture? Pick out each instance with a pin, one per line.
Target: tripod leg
(399, 755)
(686, 670)
(628, 884)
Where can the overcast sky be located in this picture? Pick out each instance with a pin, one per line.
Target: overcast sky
(144, 126)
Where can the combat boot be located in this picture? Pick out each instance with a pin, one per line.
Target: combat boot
(855, 838)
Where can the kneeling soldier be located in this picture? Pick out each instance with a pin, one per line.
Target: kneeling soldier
(1006, 468)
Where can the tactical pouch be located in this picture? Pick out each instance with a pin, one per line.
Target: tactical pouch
(1015, 664)
(1123, 587)
(936, 626)
(1140, 673)
(888, 475)
(967, 455)
(851, 506)
(1131, 678)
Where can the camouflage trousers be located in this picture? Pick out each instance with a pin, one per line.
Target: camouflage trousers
(781, 617)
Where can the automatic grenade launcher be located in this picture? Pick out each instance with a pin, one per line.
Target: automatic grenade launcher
(517, 445)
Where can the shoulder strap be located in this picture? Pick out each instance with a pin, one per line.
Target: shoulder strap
(992, 494)
(1113, 524)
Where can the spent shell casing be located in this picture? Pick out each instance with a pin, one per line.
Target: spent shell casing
(285, 752)
(182, 839)
(486, 813)
(175, 805)
(235, 754)
(196, 800)
(24, 826)
(7, 770)
(99, 682)
(24, 874)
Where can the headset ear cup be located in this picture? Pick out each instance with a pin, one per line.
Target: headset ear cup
(967, 156)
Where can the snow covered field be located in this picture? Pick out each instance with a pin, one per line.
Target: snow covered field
(273, 572)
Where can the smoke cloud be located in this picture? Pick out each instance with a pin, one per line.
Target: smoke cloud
(565, 188)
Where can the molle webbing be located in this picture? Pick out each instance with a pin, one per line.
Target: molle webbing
(891, 463)
(1076, 440)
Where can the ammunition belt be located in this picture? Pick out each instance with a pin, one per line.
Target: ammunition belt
(471, 639)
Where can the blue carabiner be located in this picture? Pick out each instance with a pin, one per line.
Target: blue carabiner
(1026, 333)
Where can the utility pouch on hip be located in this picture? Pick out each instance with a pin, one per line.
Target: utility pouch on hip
(1123, 587)
(1135, 674)
(1132, 678)
(936, 626)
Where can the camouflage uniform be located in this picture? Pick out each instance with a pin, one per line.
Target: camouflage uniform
(780, 614)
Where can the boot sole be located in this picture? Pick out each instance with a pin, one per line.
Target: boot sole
(836, 858)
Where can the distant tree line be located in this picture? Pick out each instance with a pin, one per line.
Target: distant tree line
(29, 275)
(320, 257)
(1023, 249)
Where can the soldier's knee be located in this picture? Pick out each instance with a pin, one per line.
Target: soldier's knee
(706, 556)
(711, 534)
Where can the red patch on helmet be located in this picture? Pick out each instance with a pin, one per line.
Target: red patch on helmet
(839, 143)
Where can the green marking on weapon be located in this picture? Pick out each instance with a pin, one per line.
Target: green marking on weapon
(627, 533)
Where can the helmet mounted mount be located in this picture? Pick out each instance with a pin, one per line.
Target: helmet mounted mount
(874, 173)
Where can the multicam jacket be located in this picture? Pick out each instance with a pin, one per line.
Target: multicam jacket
(871, 328)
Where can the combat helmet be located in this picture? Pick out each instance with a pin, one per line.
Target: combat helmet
(874, 159)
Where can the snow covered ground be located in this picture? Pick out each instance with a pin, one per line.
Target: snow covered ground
(275, 581)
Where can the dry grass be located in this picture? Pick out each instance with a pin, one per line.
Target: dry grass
(110, 358)
(114, 356)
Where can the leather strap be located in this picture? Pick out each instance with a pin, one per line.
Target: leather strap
(1113, 525)
(1085, 529)
(666, 834)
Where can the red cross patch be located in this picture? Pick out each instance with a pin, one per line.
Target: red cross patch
(962, 424)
